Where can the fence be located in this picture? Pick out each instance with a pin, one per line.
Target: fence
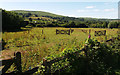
(64, 31)
(113, 39)
(85, 31)
(48, 63)
(17, 61)
(99, 33)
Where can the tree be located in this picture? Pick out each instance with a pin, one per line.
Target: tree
(112, 25)
(72, 24)
(36, 15)
(11, 21)
(30, 19)
(104, 25)
(118, 24)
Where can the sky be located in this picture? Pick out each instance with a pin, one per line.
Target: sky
(73, 8)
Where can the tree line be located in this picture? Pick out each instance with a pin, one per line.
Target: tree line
(12, 20)
(76, 22)
(64, 21)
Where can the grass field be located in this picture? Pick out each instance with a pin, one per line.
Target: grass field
(34, 45)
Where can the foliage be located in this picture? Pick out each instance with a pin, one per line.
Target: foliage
(11, 20)
(36, 13)
(34, 45)
(115, 43)
(102, 59)
(113, 25)
(52, 20)
(98, 59)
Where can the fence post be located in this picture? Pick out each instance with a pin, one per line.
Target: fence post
(45, 64)
(42, 30)
(89, 31)
(49, 69)
(105, 39)
(68, 32)
(87, 60)
(56, 31)
(18, 62)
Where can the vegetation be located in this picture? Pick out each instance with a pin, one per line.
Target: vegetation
(52, 20)
(37, 39)
(14, 20)
(35, 46)
(11, 21)
(35, 13)
(98, 59)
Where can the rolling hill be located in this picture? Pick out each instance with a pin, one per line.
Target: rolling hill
(38, 13)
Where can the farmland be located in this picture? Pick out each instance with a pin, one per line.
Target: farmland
(34, 45)
(50, 42)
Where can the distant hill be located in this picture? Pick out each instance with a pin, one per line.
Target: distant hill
(47, 19)
(48, 14)
(38, 13)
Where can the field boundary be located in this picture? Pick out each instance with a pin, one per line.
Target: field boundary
(48, 63)
(17, 61)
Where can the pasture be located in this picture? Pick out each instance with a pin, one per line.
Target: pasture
(35, 45)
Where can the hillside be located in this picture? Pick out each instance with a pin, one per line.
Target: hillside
(38, 13)
(46, 19)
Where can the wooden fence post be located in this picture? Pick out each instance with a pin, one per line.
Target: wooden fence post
(105, 38)
(42, 30)
(45, 64)
(87, 60)
(7, 65)
(68, 32)
(49, 71)
(56, 31)
(89, 31)
(18, 62)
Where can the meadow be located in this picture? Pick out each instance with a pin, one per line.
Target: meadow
(34, 45)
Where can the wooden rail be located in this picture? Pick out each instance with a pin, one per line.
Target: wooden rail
(17, 61)
(48, 63)
(113, 38)
(7, 63)
(64, 31)
(100, 33)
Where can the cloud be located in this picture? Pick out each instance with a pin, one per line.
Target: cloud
(96, 10)
(109, 10)
(82, 11)
(89, 7)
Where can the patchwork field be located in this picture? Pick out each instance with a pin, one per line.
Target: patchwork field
(34, 45)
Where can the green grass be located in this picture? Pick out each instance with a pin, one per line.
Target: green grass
(34, 45)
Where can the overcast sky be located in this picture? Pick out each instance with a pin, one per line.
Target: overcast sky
(76, 8)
